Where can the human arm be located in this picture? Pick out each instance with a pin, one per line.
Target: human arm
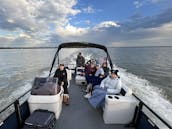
(56, 75)
(65, 75)
(102, 85)
(102, 73)
(83, 60)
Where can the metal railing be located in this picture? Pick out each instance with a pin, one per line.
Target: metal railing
(140, 107)
(15, 101)
(16, 105)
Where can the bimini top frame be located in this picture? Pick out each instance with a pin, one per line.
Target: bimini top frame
(80, 45)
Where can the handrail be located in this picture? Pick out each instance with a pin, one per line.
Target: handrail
(14, 101)
(80, 45)
(160, 118)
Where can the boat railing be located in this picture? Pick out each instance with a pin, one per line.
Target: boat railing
(139, 110)
(16, 104)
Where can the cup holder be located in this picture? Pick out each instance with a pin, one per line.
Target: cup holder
(110, 97)
(116, 97)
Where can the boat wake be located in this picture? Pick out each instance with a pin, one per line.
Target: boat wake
(149, 94)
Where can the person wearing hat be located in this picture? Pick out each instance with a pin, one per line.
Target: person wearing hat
(61, 74)
(80, 61)
(110, 85)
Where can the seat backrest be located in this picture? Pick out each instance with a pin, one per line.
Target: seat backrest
(69, 74)
(80, 70)
(126, 91)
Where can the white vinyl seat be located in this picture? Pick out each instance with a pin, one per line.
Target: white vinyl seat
(126, 91)
(79, 78)
(47, 102)
(69, 76)
(119, 109)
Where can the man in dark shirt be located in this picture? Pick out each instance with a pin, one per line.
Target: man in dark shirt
(90, 71)
(80, 61)
(61, 74)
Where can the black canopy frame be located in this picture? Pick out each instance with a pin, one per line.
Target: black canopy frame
(80, 45)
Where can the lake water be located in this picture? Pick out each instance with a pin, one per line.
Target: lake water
(147, 70)
(150, 63)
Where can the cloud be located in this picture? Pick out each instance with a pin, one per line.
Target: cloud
(31, 19)
(89, 9)
(138, 31)
(20, 41)
(137, 21)
(6, 40)
(138, 4)
(83, 22)
(70, 30)
(33, 15)
(43, 22)
(159, 36)
(141, 3)
(15, 14)
(107, 24)
(92, 34)
(56, 10)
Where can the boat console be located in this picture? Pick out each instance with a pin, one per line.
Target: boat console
(80, 77)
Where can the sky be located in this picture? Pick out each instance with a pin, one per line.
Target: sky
(118, 23)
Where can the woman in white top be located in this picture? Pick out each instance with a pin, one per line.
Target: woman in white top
(110, 85)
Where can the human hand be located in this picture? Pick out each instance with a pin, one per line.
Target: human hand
(62, 83)
(101, 76)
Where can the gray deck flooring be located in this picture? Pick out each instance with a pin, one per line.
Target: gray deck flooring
(80, 115)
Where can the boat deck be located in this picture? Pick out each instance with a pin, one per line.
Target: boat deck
(80, 115)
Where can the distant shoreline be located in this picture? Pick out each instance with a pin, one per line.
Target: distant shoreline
(51, 47)
(135, 46)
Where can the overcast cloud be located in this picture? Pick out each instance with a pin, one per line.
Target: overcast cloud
(48, 22)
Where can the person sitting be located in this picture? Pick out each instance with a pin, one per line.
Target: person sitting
(110, 85)
(61, 74)
(94, 80)
(105, 69)
(99, 71)
(90, 71)
(80, 61)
